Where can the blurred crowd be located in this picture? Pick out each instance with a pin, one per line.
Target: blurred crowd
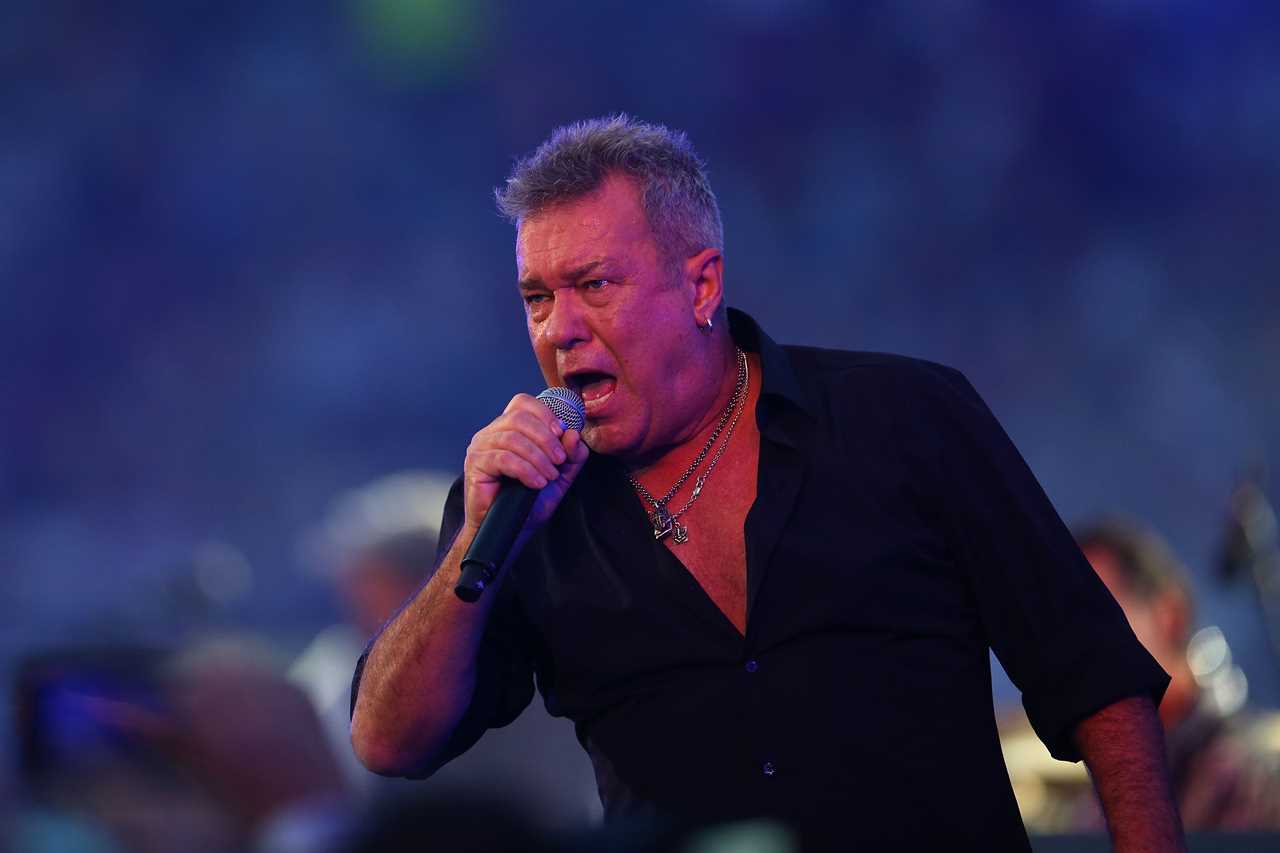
(225, 744)
(248, 261)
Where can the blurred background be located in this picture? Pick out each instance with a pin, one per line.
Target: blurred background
(255, 298)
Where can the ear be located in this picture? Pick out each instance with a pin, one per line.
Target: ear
(704, 273)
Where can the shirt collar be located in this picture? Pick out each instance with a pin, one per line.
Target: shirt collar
(780, 380)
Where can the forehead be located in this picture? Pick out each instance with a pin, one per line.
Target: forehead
(1107, 566)
(608, 221)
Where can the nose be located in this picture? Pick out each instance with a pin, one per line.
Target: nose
(566, 326)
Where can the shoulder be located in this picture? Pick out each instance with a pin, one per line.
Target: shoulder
(833, 376)
(917, 409)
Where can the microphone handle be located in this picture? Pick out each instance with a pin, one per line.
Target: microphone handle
(494, 539)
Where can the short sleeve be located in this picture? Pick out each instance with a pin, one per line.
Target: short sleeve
(504, 672)
(1053, 625)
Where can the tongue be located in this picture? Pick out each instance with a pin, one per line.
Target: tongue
(597, 388)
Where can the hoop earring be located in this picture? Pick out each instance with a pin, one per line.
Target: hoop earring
(706, 330)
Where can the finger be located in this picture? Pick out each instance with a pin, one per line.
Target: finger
(536, 430)
(577, 458)
(520, 433)
(575, 448)
(489, 461)
(533, 453)
(503, 463)
(534, 406)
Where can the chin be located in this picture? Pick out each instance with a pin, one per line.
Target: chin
(606, 439)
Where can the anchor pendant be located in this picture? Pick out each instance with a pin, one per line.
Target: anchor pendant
(662, 522)
(664, 525)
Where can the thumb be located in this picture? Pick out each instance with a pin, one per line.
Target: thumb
(577, 452)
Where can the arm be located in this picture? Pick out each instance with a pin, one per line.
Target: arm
(1123, 746)
(420, 673)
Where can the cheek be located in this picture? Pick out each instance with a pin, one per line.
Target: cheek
(1145, 630)
(653, 366)
(542, 352)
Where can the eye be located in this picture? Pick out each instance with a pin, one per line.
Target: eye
(535, 298)
(595, 284)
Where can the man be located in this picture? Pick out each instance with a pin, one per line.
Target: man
(1220, 781)
(769, 586)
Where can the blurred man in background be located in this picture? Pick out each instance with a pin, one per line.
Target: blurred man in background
(1220, 779)
(1223, 767)
(376, 546)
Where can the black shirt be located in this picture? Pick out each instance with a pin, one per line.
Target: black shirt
(896, 536)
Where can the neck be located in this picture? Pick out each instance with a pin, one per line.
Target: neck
(711, 398)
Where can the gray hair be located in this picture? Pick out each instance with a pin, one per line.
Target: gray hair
(674, 190)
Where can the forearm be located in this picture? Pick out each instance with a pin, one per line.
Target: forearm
(420, 673)
(1123, 746)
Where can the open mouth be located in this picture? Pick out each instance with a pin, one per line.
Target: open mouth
(593, 386)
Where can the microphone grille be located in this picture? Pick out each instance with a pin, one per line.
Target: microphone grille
(566, 405)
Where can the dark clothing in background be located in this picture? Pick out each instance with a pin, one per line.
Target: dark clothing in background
(1221, 780)
(1224, 778)
(896, 536)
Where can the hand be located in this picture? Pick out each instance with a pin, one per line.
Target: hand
(526, 443)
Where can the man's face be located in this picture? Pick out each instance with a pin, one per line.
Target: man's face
(1144, 616)
(609, 317)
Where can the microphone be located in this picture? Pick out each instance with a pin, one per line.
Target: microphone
(510, 508)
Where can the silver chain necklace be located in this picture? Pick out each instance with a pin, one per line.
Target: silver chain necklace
(663, 520)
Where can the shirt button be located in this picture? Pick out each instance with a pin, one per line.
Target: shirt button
(769, 769)
(752, 666)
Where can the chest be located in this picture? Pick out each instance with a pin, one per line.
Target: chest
(786, 539)
(714, 552)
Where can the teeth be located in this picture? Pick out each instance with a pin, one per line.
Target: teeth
(594, 385)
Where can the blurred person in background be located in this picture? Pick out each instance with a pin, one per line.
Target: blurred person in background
(1224, 772)
(376, 546)
(801, 632)
(207, 750)
(1220, 778)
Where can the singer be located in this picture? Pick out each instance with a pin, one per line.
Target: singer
(763, 580)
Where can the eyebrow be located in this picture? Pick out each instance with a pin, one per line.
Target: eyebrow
(535, 283)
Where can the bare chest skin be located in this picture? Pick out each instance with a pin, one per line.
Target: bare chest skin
(715, 553)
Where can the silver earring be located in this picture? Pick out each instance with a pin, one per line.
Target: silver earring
(706, 330)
